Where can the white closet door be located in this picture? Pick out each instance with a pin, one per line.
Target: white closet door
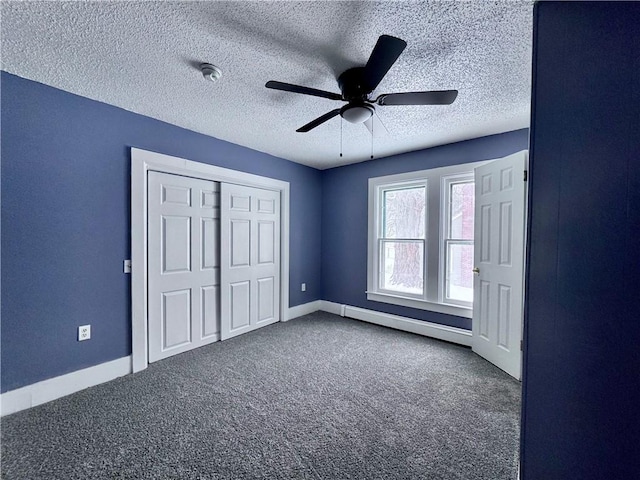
(183, 264)
(250, 252)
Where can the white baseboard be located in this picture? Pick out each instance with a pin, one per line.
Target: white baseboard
(331, 307)
(304, 309)
(427, 329)
(57, 387)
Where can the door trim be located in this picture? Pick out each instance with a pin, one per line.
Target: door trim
(141, 162)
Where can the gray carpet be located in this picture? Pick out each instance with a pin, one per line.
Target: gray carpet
(319, 397)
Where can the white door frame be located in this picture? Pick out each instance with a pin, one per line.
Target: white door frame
(141, 162)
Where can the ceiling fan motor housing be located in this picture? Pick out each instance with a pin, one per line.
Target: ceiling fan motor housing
(354, 90)
(353, 85)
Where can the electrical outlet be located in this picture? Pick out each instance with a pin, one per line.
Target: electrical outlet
(84, 332)
(303, 287)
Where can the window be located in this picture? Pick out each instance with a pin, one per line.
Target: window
(421, 239)
(458, 241)
(402, 240)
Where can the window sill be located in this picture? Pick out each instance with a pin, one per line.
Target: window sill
(456, 310)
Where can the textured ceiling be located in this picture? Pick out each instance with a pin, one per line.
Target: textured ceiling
(144, 56)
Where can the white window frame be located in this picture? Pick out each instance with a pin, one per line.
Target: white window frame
(446, 182)
(380, 227)
(436, 181)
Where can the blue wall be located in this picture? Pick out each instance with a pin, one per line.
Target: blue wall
(581, 388)
(344, 217)
(66, 223)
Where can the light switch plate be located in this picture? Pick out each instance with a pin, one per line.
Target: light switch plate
(126, 266)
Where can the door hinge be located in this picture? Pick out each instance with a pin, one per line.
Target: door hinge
(525, 176)
(520, 345)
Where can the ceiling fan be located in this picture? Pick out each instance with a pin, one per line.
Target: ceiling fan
(356, 84)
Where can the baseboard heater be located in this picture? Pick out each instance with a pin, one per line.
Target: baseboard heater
(419, 327)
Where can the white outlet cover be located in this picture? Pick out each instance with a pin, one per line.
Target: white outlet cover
(304, 287)
(84, 332)
(126, 266)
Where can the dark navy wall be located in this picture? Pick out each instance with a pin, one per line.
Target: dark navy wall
(581, 388)
(66, 223)
(344, 217)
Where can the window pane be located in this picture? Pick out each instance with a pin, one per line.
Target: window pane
(404, 213)
(462, 198)
(459, 281)
(402, 267)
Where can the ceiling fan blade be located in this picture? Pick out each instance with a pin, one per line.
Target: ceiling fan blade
(319, 121)
(384, 55)
(434, 97)
(288, 87)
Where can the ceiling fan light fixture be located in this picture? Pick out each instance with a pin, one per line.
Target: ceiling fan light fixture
(357, 113)
(210, 72)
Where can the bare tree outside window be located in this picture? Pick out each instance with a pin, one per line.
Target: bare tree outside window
(403, 240)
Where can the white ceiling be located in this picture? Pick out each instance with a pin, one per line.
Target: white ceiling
(144, 56)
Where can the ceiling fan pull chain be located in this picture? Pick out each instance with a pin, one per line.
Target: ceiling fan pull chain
(341, 136)
(372, 122)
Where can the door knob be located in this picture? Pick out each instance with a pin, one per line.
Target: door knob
(476, 270)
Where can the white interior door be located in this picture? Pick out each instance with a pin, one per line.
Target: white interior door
(250, 252)
(183, 264)
(499, 262)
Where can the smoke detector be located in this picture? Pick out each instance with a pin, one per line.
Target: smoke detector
(210, 72)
